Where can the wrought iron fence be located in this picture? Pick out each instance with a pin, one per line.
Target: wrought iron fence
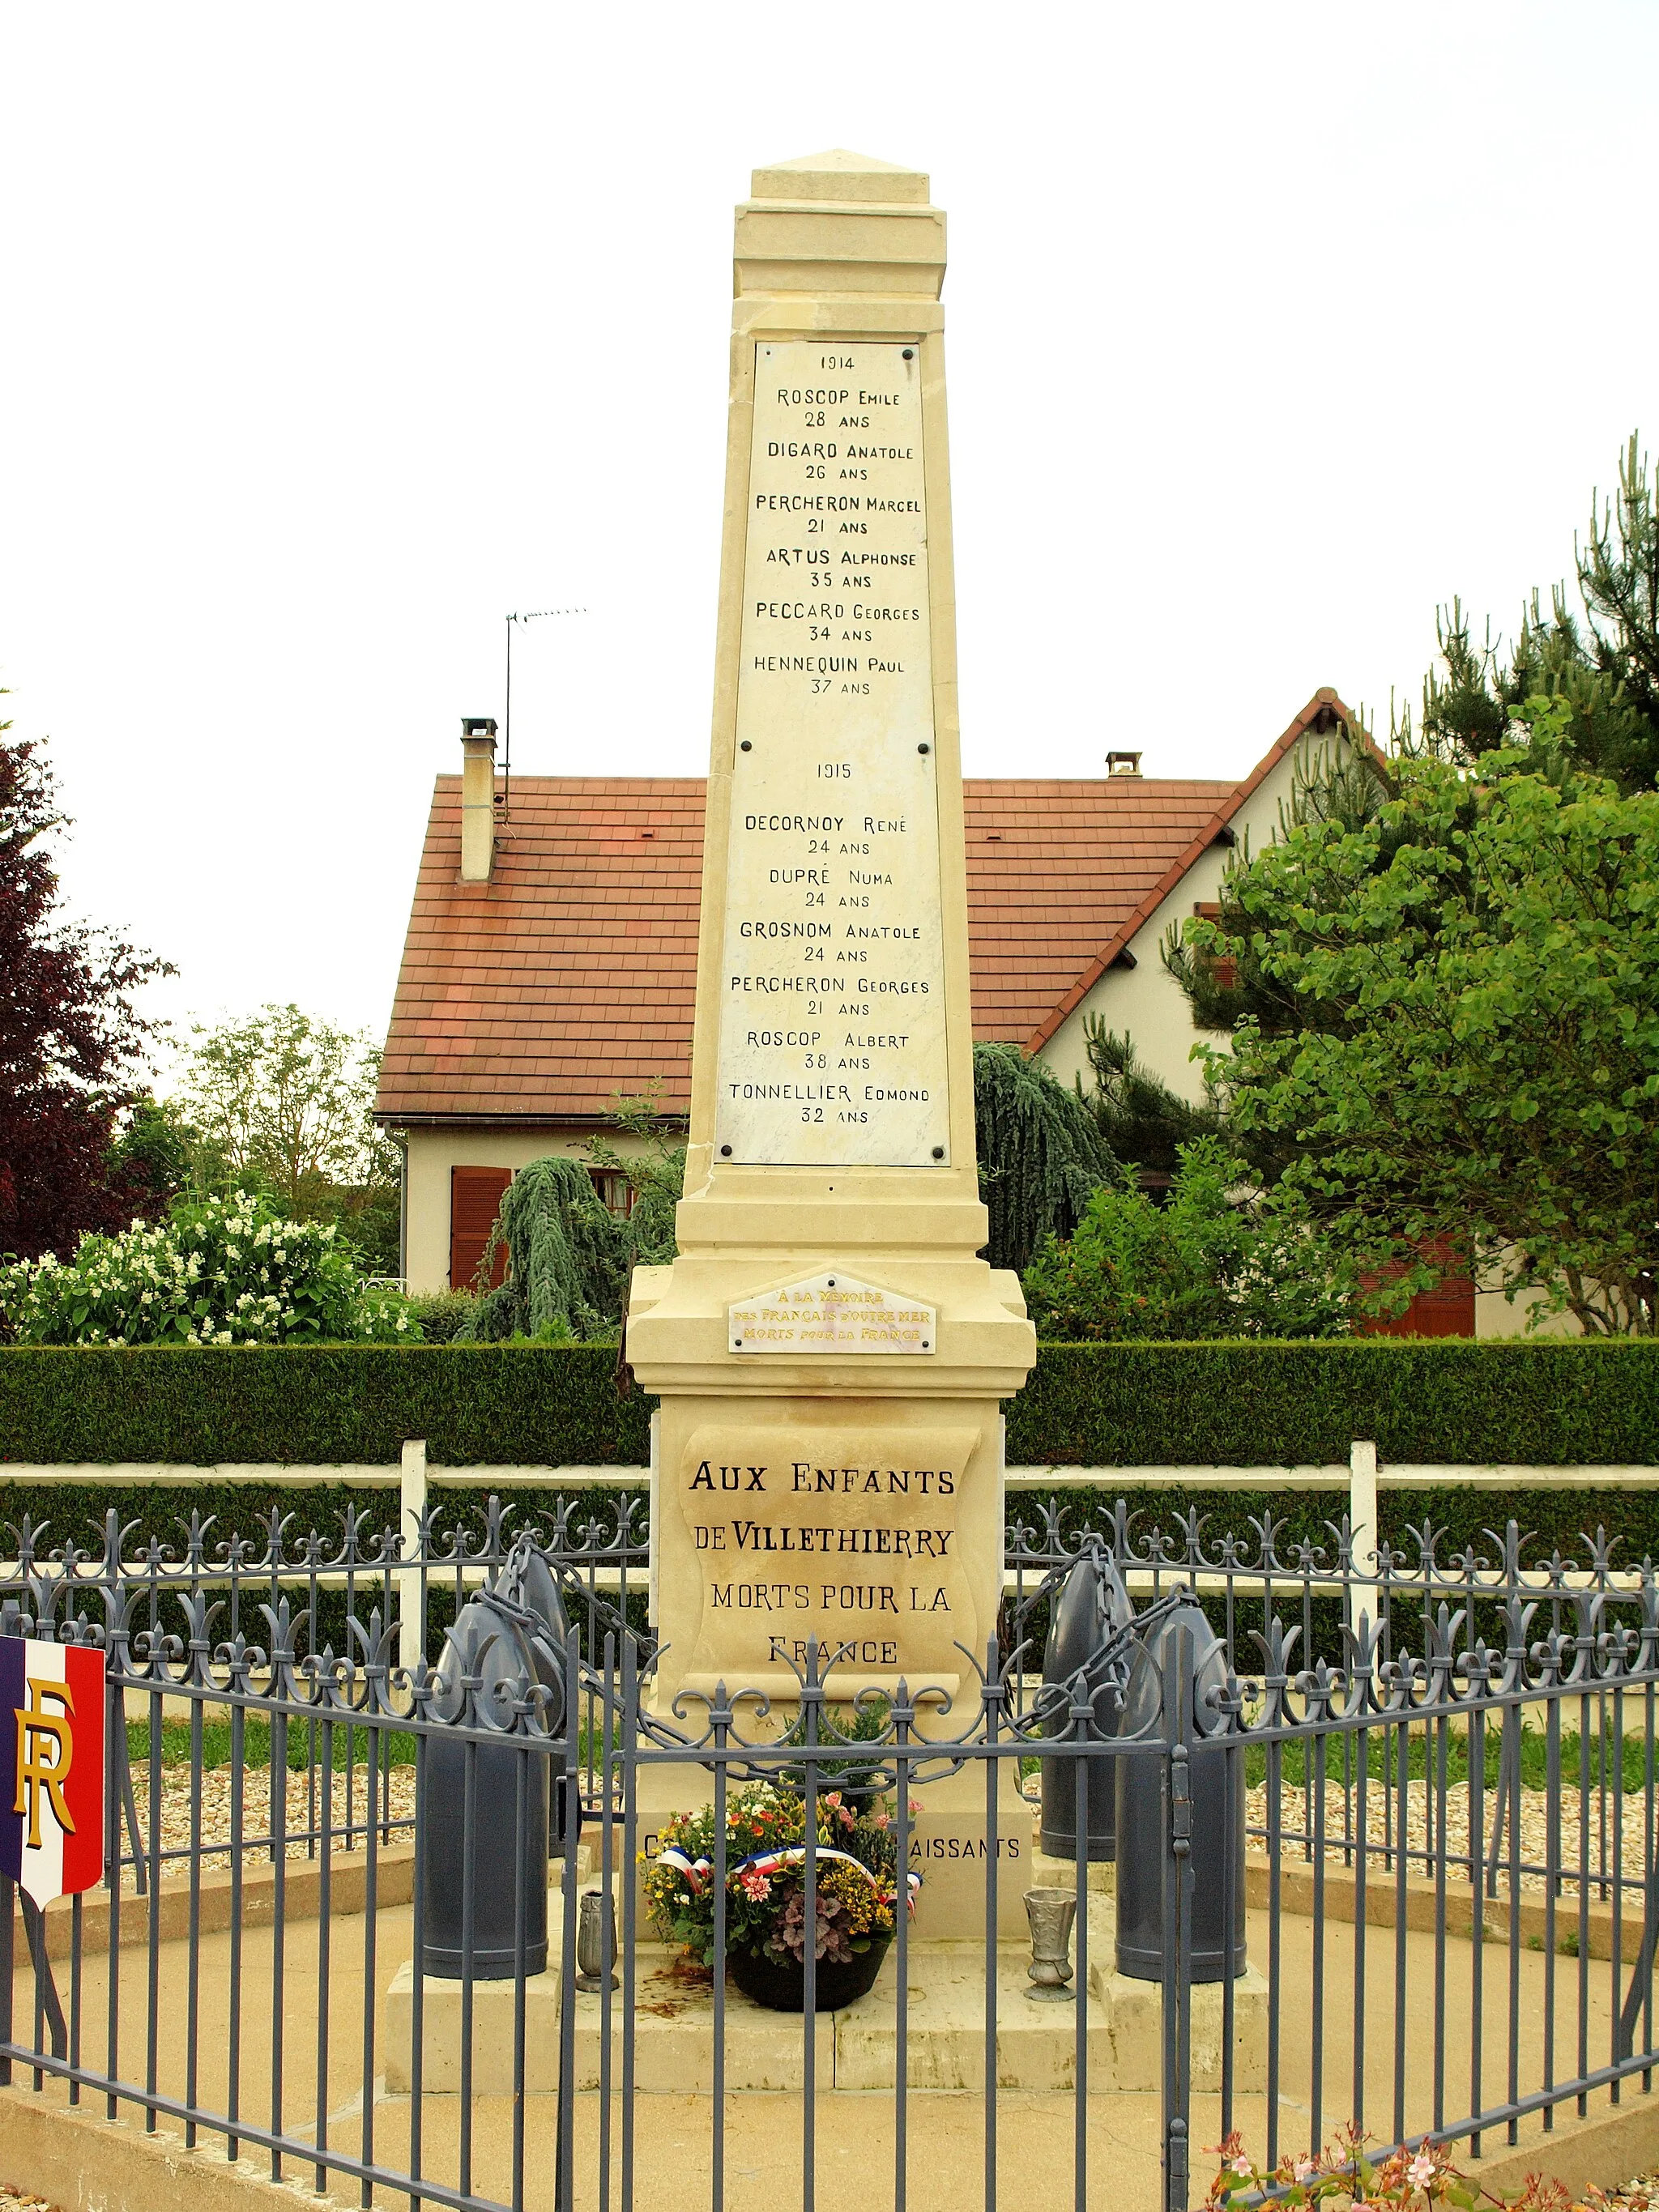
(1415, 1790)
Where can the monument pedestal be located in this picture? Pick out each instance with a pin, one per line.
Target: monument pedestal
(852, 1502)
(856, 2048)
(1101, 1879)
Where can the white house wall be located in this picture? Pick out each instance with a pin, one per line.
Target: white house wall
(433, 1152)
(1145, 999)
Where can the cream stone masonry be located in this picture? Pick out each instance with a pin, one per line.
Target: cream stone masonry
(832, 1116)
(831, 1313)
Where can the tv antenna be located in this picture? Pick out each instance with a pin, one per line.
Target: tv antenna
(541, 614)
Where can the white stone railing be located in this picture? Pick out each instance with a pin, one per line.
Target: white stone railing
(1360, 1479)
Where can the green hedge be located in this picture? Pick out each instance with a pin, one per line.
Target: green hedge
(1460, 1518)
(1220, 1405)
(514, 1405)
(1248, 1405)
(1546, 1404)
(73, 1512)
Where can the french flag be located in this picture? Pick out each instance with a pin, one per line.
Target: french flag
(52, 1766)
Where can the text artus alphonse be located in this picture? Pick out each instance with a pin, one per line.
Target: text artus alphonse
(850, 1539)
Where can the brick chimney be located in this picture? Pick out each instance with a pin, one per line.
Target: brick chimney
(477, 798)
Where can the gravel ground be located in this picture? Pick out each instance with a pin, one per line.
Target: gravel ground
(1534, 1821)
(1535, 1829)
(19, 2200)
(256, 1812)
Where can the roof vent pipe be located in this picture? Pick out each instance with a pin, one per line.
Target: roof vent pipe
(477, 798)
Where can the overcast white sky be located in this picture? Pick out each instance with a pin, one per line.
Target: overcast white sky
(329, 334)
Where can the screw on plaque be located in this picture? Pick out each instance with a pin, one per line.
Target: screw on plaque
(726, 1151)
(924, 749)
(910, 352)
(831, 1283)
(745, 747)
(938, 1152)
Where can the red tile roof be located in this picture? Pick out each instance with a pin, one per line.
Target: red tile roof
(571, 976)
(568, 977)
(1055, 868)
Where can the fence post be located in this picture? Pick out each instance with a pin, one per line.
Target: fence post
(1362, 1519)
(412, 1602)
(653, 1549)
(1180, 1731)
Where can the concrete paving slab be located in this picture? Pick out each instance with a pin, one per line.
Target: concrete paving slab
(1435, 2056)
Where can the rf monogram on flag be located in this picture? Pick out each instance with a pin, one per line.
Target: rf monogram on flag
(52, 1766)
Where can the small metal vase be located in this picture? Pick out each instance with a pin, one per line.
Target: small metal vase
(1050, 1912)
(596, 1941)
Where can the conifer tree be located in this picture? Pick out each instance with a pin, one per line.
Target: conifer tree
(568, 1259)
(1601, 668)
(1041, 1154)
(1145, 1122)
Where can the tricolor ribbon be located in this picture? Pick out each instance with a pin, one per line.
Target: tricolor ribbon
(695, 1872)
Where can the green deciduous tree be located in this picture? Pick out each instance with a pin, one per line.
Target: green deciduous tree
(152, 1156)
(283, 1103)
(655, 1172)
(1041, 1154)
(1446, 1034)
(1216, 1259)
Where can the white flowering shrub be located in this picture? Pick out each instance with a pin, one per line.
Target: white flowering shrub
(224, 1270)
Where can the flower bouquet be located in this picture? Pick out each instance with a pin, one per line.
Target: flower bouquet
(857, 1890)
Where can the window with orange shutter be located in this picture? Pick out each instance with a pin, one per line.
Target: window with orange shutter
(475, 1194)
(1446, 1310)
(1221, 967)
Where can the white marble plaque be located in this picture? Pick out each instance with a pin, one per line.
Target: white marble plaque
(832, 1016)
(831, 1313)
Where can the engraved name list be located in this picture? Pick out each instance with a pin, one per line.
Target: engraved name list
(832, 1033)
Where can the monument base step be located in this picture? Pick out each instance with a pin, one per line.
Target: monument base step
(1061, 1874)
(1036, 2043)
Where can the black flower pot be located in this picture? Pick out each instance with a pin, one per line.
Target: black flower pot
(781, 1983)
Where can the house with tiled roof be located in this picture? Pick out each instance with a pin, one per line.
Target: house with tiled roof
(551, 963)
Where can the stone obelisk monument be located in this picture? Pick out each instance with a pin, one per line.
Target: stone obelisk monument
(830, 1350)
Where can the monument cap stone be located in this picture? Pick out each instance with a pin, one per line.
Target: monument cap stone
(829, 227)
(841, 175)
